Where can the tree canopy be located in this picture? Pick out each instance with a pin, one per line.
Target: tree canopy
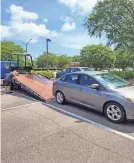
(97, 56)
(124, 59)
(115, 19)
(54, 61)
(76, 58)
(8, 48)
(44, 58)
(64, 61)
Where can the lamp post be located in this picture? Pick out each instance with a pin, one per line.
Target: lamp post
(47, 40)
(26, 45)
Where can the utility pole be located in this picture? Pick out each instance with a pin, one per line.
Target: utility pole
(47, 40)
(26, 44)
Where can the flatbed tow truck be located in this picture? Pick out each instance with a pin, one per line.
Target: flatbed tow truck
(34, 84)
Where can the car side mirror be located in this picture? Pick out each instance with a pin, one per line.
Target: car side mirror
(95, 86)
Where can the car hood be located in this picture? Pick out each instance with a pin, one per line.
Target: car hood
(127, 91)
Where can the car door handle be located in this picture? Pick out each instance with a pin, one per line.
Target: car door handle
(65, 85)
(80, 89)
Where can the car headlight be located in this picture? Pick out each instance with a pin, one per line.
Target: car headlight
(131, 99)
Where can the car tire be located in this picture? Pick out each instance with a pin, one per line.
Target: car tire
(114, 112)
(60, 98)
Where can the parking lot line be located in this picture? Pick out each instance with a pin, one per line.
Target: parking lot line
(90, 121)
(14, 107)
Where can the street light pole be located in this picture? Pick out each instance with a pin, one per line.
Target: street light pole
(47, 40)
(27, 44)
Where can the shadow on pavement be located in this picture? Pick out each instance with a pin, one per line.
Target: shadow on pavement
(24, 94)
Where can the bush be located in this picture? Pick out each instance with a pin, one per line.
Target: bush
(47, 74)
(124, 74)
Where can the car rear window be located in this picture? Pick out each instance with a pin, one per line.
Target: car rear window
(76, 69)
(63, 78)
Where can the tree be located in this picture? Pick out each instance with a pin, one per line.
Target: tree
(64, 61)
(76, 58)
(115, 19)
(35, 63)
(8, 48)
(97, 56)
(42, 60)
(124, 59)
(55, 61)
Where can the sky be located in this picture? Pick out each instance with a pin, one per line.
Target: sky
(59, 20)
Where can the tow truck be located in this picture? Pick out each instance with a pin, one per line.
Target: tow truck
(27, 80)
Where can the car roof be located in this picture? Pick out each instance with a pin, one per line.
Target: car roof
(77, 67)
(92, 73)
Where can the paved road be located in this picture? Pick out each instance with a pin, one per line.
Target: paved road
(127, 128)
(15, 99)
(35, 133)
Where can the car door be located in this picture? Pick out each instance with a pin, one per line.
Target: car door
(71, 87)
(89, 96)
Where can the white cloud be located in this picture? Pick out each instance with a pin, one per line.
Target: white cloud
(18, 14)
(78, 40)
(68, 25)
(33, 41)
(45, 20)
(22, 26)
(5, 32)
(82, 5)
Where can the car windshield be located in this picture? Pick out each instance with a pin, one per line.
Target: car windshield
(87, 69)
(112, 81)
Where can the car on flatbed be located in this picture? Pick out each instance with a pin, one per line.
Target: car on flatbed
(73, 69)
(101, 91)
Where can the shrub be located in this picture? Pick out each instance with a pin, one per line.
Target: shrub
(124, 74)
(47, 74)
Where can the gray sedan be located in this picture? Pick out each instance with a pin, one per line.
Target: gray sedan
(100, 91)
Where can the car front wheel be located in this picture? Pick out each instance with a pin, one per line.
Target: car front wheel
(60, 98)
(114, 112)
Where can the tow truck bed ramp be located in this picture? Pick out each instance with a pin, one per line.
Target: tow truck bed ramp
(36, 85)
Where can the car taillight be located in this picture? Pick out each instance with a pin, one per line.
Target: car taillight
(54, 82)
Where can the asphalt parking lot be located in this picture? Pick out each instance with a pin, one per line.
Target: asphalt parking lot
(36, 133)
(89, 114)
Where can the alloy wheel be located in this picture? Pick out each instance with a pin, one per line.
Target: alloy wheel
(114, 112)
(60, 98)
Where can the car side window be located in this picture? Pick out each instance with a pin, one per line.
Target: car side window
(6, 65)
(63, 78)
(76, 69)
(86, 80)
(69, 70)
(73, 78)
